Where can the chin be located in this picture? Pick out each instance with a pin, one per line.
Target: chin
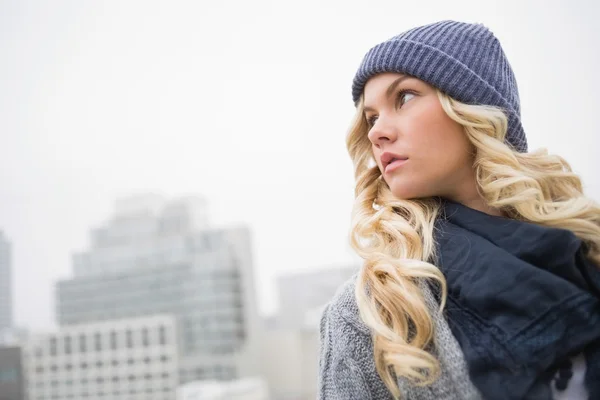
(403, 194)
(408, 192)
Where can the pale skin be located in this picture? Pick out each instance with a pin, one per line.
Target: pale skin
(406, 118)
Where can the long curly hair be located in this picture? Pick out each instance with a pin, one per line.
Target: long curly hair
(395, 237)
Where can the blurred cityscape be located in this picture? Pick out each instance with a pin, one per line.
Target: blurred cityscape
(163, 306)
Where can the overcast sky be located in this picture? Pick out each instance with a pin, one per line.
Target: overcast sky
(245, 102)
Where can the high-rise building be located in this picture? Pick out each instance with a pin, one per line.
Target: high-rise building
(240, 389)
(6, 301)
(12, 385)
(292, 338)
(130, 359)
(303, 295)
(163, 257)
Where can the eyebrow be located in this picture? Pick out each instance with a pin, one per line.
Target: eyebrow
(390, 89)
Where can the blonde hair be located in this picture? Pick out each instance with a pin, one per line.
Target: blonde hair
(395, 237)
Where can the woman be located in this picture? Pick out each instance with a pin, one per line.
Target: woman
(480, 276)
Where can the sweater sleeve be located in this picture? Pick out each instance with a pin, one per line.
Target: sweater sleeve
(340, 376)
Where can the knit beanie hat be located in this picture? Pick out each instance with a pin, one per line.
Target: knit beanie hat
(463, 60)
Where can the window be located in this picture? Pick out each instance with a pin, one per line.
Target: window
(162, 335)
(67, 343)
(115, 363)
(82, 344)
(99, 364)
(164, 358)
(231, 372)
(98, 341)
(39, 370)
(240, 334)
(145, 339)
(129, 338)
(52, 346)
(113, 340)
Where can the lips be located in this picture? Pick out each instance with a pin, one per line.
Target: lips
(387, 159)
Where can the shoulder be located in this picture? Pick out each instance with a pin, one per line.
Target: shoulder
(347, 365)
(342, 310)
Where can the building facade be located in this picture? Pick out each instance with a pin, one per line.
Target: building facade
(145, 231)
(240, 389)
(6, 290)
(292, 336)
(303, 295)
(12, 384)
(163, 257)
(132, 359)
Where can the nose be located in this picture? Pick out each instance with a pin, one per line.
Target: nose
(383, 131)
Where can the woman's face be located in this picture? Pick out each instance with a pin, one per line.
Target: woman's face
(420, 151)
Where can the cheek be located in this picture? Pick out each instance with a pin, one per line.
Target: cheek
(441, 152)
(439, 148)
(437, 137)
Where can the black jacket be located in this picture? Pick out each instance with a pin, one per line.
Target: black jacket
(522, 299)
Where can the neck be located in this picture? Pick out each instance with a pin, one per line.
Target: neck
(465, 192)
(469, 197)
(480, 205)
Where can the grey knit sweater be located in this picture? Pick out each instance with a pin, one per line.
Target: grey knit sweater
(346, 364)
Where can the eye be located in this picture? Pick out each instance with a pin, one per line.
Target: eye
(371, 120)
(403, 97)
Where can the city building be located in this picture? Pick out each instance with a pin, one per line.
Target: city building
(303, 295)
(145, 231)
(131, 359)
(156, 256)
(239, 389)
(13, 337)
(291, 340)
(6, 290)
(12, 384)
(291, 363)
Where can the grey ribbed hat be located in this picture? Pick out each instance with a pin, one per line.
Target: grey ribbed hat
(463, 60)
